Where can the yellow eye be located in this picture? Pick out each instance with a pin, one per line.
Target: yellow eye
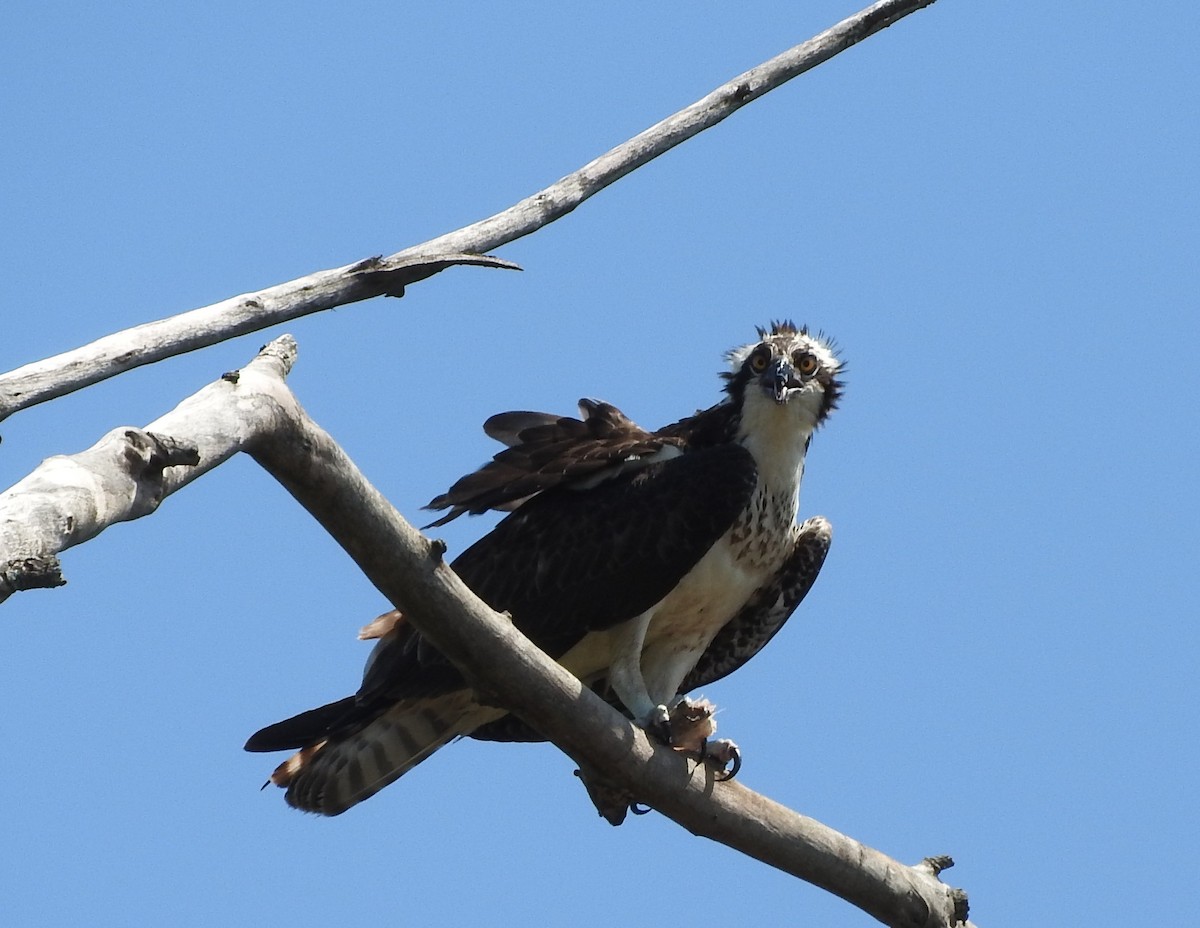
(758, 362)
(806, 364)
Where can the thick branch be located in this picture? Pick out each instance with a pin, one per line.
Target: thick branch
(198, 328)
(507, 670)
(68, 499)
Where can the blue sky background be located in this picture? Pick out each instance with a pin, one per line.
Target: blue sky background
(993, 207)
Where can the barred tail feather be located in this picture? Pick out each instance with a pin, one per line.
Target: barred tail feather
(333, 774)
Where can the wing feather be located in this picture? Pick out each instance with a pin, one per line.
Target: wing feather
(609, 518)
(545, 451)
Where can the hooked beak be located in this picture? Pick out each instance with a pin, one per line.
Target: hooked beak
(779, 378)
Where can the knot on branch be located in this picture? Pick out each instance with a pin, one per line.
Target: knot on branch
(958, 906)
(613, 802)
(935, 865)
(146, 456)
(30, 573)
(148, 453)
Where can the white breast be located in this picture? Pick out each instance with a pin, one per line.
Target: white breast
(685, 622)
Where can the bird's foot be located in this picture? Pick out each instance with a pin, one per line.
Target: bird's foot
(727, 757)
(683, 724)
(693, 724)
(658, 724)
(687, 726)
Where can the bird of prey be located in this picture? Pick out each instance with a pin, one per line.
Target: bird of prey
(646, 563)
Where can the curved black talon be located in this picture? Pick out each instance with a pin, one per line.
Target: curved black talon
(737, 765)
(639, 809)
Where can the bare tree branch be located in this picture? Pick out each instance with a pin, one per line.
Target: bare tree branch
(560, 198)
(69, 499)
(154, 341)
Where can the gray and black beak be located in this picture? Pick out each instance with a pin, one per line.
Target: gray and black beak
(780, 377)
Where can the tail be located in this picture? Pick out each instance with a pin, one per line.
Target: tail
(330, 775)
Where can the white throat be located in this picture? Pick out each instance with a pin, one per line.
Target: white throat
(777, 435)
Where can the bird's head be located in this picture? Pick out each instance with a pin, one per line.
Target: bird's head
(788, 367)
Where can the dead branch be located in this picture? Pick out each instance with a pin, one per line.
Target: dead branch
(69, 499)
(198, 328)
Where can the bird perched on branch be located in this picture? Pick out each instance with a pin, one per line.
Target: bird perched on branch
(647, 563)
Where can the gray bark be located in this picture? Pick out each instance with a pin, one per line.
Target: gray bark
(69, 499)
(155, 341)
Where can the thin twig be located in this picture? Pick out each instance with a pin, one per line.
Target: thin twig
(154, 341)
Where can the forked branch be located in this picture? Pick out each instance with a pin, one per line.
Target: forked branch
(68, 500)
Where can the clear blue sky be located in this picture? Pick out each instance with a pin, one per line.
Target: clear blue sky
(992, 206)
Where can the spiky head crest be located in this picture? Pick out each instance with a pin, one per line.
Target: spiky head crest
(784, 339)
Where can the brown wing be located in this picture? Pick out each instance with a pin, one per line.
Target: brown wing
(546, 451)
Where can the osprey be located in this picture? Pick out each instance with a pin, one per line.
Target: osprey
(647, 563)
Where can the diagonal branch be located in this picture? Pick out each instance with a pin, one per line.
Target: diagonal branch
(560, 198)
(154, 341)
